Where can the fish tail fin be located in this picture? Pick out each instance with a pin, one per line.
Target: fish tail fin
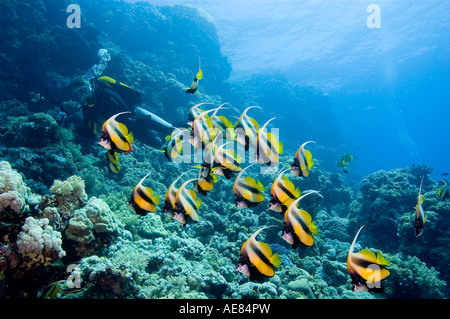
(275, 260)
(260, 186)
(313, 228)
(156, 200)
(199, 75)
(280, 148)
(130, 138)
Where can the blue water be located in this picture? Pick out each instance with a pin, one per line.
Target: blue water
(388, 86)
(376, 87)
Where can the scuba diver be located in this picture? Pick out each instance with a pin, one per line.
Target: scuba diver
(103, 97)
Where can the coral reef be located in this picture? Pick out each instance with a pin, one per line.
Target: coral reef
(38, 243)
(68, 218)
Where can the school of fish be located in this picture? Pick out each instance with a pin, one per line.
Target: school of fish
(213, 134)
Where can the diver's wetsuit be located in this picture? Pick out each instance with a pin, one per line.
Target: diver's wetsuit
(112, 98)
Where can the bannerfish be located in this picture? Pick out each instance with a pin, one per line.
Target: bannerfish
(246, 129)
(345, 160)
(186, 204)
(256, 259)
(298, 225)
(142, 199)
(194, 112)
(268, 149)
(247, 191)
(444, 191)
(282, 193)
(169, 200)
(115, 135)
(194, 85)
(113, 159)
(420, 216)
(221, 123)
(205, 179)
(366, 269)
(202, 130)
(303, 161)
(174, 145)
(226, 162)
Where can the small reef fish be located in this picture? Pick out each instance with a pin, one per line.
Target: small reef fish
(226, 163)
(247, 191)
(205, 179)
(115, 135)
(186, 204)
(113, 159)
(221, 123)
(366, 269)
(303, 161)
(174, 145)
(169, 199)
(268, 149)
(345, 160)
(246, 129)
(53, 289)
(202, 130)
(444, 191)
(194, 112)
(256, 259)
(194, 85)
(420, 216)
(282, 193)
(298, 225)
(142, 199)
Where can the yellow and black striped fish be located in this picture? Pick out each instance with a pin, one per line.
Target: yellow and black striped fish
(443, 191)
(222, 124)
(298, 225)
(246, 129)
(345, 160)
(202, 130)
(194, 85)
(366, 269)
(247, 191)
(194, 112)
(420, 216)
(186, 204)
(226, 162)
(115, 135)
(268, 148)
(113, 159)
(303, 161)
(142, 199)
(205, 179)
(174, 145)
(256, 259)
(169, 200)
(282, 193)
